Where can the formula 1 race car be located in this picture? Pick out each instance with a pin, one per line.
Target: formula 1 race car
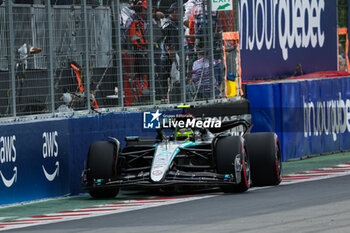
(190, 157)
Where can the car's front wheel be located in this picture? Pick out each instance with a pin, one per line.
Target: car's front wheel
(101, 164)
(231, 158)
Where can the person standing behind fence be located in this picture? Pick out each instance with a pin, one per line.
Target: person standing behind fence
(170, 30)
(201, 77)
(157, 18)
(135, 62)
(198, 25)
(188, 6)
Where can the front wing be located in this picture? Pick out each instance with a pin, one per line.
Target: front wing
(172, 179)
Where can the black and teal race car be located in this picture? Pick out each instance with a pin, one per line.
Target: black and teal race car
(204, 158)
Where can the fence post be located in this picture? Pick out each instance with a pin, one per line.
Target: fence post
(11, 53)
(119, 53)
(151, 53)
(182, 53)
(211, 52)
(86, 54)
(50, 46)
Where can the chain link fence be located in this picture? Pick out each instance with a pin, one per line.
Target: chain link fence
(95, 55)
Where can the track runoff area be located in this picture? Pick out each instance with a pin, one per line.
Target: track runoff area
(25, 215)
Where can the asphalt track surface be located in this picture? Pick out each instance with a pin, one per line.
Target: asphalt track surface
(313, 206)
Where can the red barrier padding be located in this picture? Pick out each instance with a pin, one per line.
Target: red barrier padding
(317, 75)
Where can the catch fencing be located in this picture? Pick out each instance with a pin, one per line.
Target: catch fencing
(90, 57)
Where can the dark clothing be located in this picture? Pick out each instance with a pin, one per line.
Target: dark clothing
(163, 5)
(170, 30)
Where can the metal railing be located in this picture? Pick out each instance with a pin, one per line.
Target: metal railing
(71, 58)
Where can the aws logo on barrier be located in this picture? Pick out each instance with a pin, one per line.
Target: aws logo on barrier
(50, 150)
(296, 23)
(8, 158)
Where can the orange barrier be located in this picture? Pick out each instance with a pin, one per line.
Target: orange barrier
(232, 37)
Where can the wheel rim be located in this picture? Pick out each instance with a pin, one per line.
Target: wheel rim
(246, 169)
(278, 161)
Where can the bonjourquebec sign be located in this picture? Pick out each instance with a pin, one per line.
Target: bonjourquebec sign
(277, 35)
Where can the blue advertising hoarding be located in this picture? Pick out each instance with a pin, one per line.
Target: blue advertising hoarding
(33, 160)
(348, 27)
(310, 116)
(277, 35)
(45, 158)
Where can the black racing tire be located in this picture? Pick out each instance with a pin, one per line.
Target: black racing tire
(226, 150)
(265, 158)
(102, 165)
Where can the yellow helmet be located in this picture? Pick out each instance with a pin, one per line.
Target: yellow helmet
(184, 134)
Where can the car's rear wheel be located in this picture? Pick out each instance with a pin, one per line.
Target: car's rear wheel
(265, 158)
(101, 164)
(231, 158)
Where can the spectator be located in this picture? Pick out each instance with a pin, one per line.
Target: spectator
(188, 6)
(201, 77)
(135, 60)
(126, 17)
(170, 29)
(163, 5)
(197, 24)
(158, 16)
